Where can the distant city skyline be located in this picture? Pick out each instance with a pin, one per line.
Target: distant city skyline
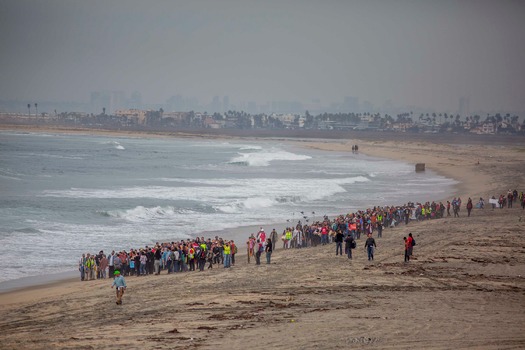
(266, 55)
(111, 101)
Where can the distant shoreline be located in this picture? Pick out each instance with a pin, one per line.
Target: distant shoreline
(445, 138)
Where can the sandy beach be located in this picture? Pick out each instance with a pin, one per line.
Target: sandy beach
(466, 288)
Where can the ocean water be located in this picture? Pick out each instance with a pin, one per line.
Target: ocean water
(63, 195)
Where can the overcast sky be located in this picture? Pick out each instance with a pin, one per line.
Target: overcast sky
(425, 53)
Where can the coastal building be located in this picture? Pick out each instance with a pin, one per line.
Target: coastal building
(290, 120)
(138, 115)
(402, 127)
(488, 128)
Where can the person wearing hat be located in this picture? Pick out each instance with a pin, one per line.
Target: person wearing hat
(120, 283)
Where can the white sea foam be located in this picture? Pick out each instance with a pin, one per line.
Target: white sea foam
(46, 155)
(214, 190)
(117, 145)
(249, 203)
(8, 174)
(141, 214)
(265, 157)
(250, 148)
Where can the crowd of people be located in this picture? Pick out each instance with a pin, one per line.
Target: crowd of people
(200, 253)
(172, 257)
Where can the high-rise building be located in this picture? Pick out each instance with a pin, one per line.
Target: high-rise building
(108, 100)
(464, 108)
(215, 106)
(225, 103)
(135, 102)
(99, 101)
(175, 104)
(117, 100)
(350, 104)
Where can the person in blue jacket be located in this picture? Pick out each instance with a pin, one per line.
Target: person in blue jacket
(120, 283)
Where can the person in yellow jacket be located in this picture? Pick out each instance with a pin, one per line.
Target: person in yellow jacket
(227, 254)
(288, 238)
(90, 267)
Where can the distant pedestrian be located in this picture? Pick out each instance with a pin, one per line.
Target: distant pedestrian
(407, 246)
(111, 264)
(269, 250)
(81, 267)
(227, 254)
(370, 244)
(274, 237)
(349, 245)
(469, 206)
(259, 249)
(339, 243)
(411, 243)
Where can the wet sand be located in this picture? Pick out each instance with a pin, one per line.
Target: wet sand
(466, 288)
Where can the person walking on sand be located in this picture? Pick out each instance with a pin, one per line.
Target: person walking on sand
(339, 243)
(370, 244)
(103, 266)
(259, 249)
(411, 243)
(269, 250)
(407, 246)
(274, 237)
(349, 245)
(120, 283)
(227, 255)
(82, 267)
(469, 206)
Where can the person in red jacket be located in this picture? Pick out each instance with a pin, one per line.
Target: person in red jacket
(408, 245)
(412, 243)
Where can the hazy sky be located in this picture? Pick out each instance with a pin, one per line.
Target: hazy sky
(426, 53)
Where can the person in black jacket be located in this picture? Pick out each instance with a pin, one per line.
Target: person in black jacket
(349, 245)
(370, 244)
(339, 243)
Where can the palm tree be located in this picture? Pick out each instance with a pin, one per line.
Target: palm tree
(29, 108)
(104, 110)
(36, 109)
